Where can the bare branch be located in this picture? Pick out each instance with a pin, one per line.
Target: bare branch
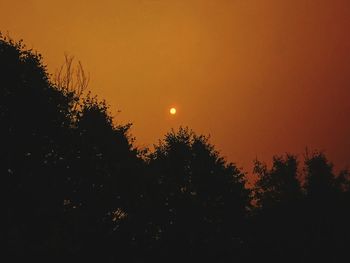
(71, 78)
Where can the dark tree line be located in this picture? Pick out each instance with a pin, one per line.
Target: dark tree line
(78, 190)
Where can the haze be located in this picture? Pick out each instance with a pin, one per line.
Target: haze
(261, 77)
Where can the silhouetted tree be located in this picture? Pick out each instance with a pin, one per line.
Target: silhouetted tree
(295, 224)
(35, 117)
(202, 200)
(280, 184)
(325, 207)
(278, 219)
(70, 171)
(320, 181)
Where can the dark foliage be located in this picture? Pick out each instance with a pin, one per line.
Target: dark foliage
(77, 190)
(202, 199)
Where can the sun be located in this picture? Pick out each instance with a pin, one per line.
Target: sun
(172, 111)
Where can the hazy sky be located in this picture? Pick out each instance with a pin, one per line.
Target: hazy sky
(262, 77)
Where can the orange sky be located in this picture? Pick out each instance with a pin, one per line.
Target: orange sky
(262, 77)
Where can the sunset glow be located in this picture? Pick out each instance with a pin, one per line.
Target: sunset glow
(243, 70)
(176, 130)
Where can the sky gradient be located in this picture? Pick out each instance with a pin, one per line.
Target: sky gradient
(261, 77)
